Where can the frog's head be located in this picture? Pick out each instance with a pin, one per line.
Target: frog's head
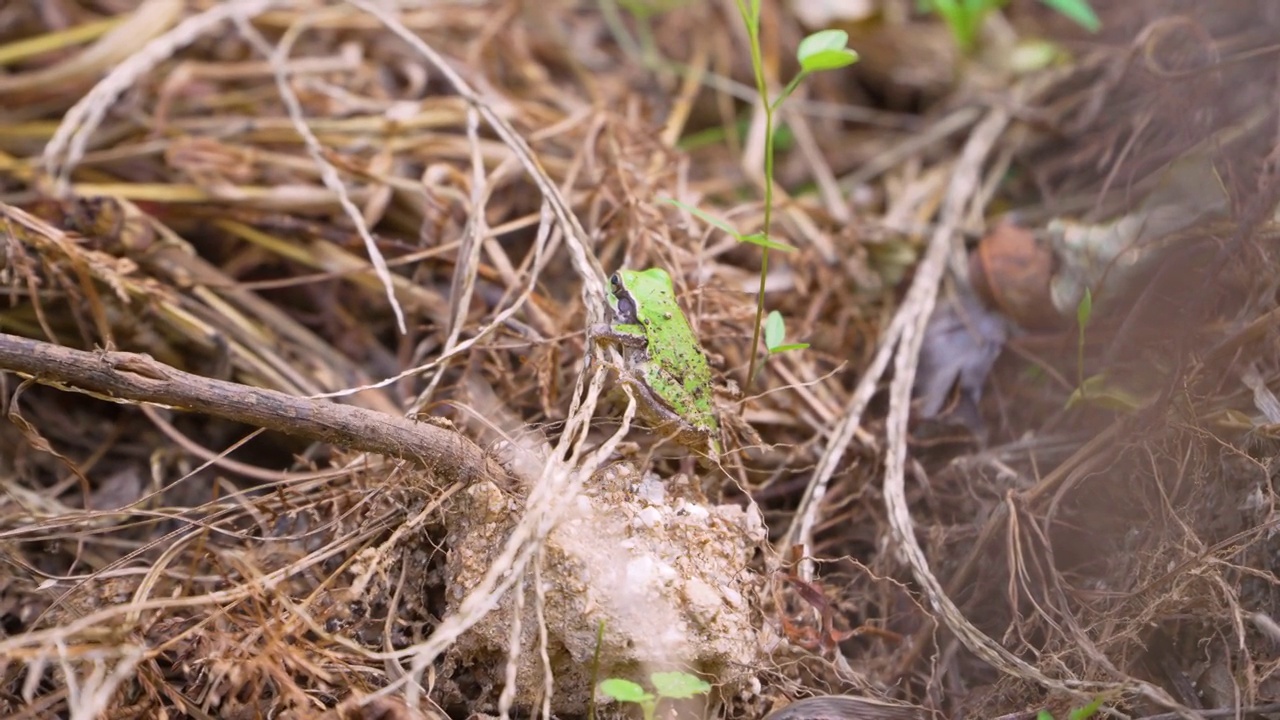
(651, 283)
(632, 289)
(620, 299)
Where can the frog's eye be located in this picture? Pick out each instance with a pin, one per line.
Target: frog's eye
(615, 280)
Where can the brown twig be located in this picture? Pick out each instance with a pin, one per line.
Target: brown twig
(141, 378)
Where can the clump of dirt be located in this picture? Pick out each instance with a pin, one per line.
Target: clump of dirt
(641, 575)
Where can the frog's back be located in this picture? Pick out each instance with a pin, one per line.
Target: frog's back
(683, 361)
(690, 369)
(691, 366)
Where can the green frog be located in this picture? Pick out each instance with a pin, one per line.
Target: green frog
(663, 362)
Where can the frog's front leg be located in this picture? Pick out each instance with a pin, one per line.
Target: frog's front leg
(616, 335)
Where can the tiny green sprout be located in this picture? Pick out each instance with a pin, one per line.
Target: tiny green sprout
(775, 331)
(673, 685)
(1084, 313)
(1084, 310)
(823, 50)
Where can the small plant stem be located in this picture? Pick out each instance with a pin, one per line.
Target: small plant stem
(751, 13)
(595, 672)
(1084, 312)
(1080, 363)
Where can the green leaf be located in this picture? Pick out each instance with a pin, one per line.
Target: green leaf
(1077, 10)
(1084, 311)
(1101, 391)
(678, 685)
(825, 50)
(707, 218)
(788, 348)
(820, 41)
(1044, 715)
(830, 60)
(1086, 712)
(624, 691)
(762, 241)
(754, 238)
(775, 330)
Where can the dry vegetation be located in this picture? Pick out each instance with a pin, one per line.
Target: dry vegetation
(299, 423)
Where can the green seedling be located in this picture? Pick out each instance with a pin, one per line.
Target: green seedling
(595, 669)
(666, 685)
(823, 50)
(964, 18)
(1084, 313)
(775, 335)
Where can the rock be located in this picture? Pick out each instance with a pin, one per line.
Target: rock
(667, 575)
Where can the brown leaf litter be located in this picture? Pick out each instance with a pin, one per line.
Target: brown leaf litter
(300, 423)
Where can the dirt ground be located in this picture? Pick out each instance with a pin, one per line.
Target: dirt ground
(302, 418)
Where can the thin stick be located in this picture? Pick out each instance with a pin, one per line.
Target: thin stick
(117, 376)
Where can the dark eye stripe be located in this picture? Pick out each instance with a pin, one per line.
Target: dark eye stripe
(627, 310)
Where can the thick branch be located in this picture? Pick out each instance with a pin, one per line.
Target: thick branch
(130, 376)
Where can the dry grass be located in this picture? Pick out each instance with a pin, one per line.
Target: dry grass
(300, 420)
